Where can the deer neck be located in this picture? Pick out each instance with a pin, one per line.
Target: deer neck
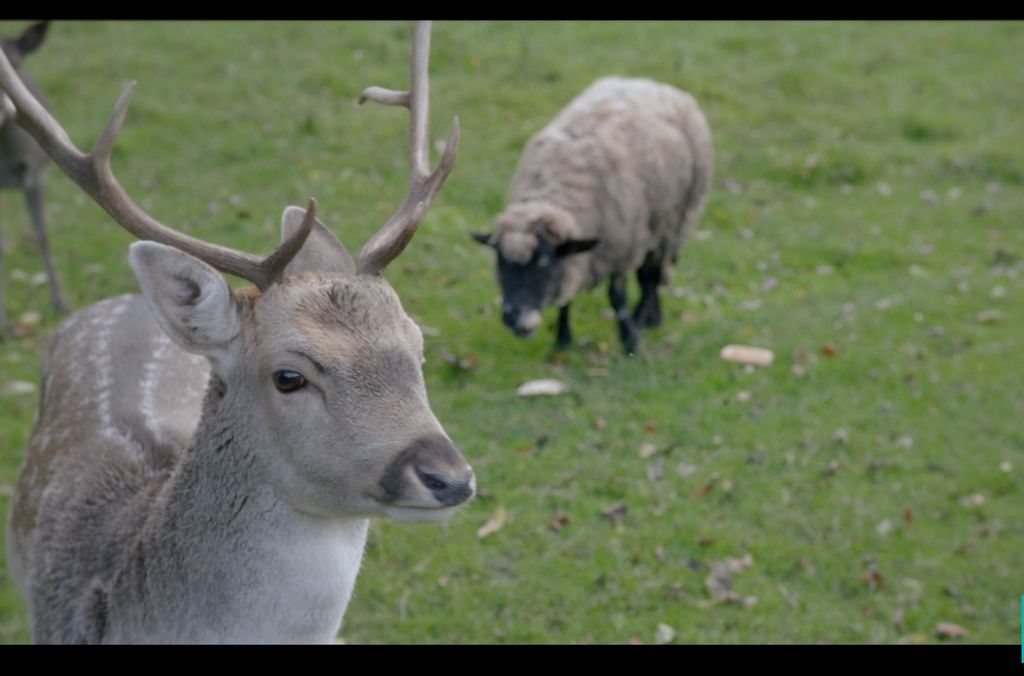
(225, 559)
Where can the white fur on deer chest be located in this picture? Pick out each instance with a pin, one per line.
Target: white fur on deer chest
(322, 564)
(293, 586)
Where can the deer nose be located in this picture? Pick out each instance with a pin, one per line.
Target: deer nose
(433, 463)
(447, 488)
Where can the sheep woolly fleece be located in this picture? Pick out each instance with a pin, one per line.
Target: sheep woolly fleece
(628, 162)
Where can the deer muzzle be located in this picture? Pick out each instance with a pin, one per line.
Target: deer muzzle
(428, 474)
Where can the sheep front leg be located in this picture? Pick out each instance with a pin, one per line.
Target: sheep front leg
(648, 310)
(617, 296)
(564, 339)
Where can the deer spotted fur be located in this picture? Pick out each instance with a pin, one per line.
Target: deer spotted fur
(205, 461)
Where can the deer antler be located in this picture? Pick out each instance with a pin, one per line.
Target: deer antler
(6, 108)
(93, 174)
(393, 236)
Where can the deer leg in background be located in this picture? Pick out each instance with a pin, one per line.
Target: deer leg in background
(3, 294)
(617, 296)
(34, 199)
(648, 309)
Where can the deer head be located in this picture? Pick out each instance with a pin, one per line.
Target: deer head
(317, 366)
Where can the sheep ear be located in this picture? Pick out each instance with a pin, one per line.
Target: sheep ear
(575, 246)
(483, 237)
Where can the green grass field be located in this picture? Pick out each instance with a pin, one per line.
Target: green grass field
(865, 224)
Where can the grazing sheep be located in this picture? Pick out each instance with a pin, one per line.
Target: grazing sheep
(613, 184)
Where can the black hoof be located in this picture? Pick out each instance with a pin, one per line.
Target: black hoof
(630, 342)
(646, 319)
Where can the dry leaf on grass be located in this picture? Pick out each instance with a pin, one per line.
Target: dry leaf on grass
(494, 524)
(988, 316)
(656, 470)
(897, 618)
(719, 582)
(647, 449)
(543, 387)
(950, 630)
(615, 513)
(457, 362)
(873, 578)
(664, 634)
(15, 387)
(559, 521)
(704, 489)
(973, 500)
(30, 319)
(685, 469)
(746, 354)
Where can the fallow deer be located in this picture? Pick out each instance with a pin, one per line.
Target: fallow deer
(205, 461)
(23, 166)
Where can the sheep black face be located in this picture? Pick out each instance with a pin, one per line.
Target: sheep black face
(531, 274)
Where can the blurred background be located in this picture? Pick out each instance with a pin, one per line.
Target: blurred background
(865, 224)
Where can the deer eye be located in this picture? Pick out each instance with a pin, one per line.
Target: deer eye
(289, 381)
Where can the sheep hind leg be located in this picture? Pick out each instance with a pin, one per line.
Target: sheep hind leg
(627, 330)
(648, 309)
(564, 339)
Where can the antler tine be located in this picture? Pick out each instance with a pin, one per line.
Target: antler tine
(92, 173)
(394, 235)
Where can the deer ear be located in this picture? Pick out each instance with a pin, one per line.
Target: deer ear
(30, 40)
(483, 237)
(575, 246)
(190, 300)
(321, 252)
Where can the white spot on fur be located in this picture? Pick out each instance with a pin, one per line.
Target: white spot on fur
(150, 376)
(103, 362)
